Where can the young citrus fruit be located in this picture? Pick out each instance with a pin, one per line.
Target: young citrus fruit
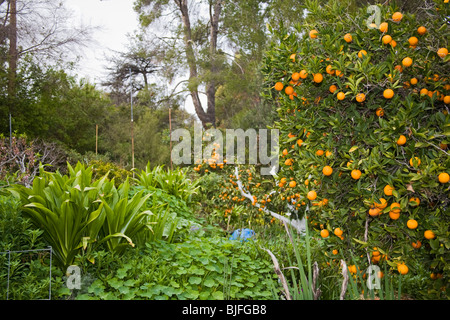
(374, 211)
(442, 52)
(407, 62)
(341, 95)
(402, 268)
(429, 235)
(388, 93)
(415, 161)
(421, 30)
(444, 177)
(379, 112)
(412, 224)
(313, 34)
(397, 16)
(413, 81)
(318, 78)
(413, 41)
(386, 39)
(414, 201)
(348, 38)
(295, 76)
(362, 53)
(360, 97)
(289, 90)
(327, 170)
(383, 27)
(292, 184)
(303, 74)
(382, 204)
(388, 190)
(401, 140)
(312, 195)
(332, 88)
(279, 86)
(338, 232)
(356, 174)
(395, 207)
(324, 233)
(394, 215)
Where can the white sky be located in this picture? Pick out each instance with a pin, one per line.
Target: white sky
(117, 19)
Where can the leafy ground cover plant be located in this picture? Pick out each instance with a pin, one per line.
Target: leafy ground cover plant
(199, 268)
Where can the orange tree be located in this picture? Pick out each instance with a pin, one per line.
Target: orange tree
(364, 127)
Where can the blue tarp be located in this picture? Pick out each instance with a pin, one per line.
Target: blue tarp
(242, 234)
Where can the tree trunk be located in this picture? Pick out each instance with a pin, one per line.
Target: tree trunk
(211, 86)
(207, 118)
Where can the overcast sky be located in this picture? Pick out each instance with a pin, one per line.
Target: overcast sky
(116, 19)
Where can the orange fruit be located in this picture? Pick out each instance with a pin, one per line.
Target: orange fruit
(327, 170)
(319, 152)
(394, 215)
(292, 184)
(388, 190)
(382, 204)
(329, 69)
(374, 211)
(338, 232)
(421, 30)
(444, 177)
(412, 224)
(289, 90)
(324, 233)
(416, 245)
(313, 34)
(303, 74)
(285, 152)
(299, 142)
(288, 162)
(292, 57)
(413, 41)
(386, 39)
(446, 99)
(335, 252)
(401, 140)
(312, 195)
(333, 88)
(413, 81)
(395, 207)
(348, 38)
(429, 235)
(318, 78)
(279, 86)
(356, 174)
(362, 53)
(380, 112)
(399, 68)
(341, 95)
(328, 153)
(416, 161)
(360, 97)
(442, 52)
(383, 27)
(415, 201)
(407, 62)
(352, 269)
(388, 93)
(339, 73)
(295, 76)
(397, 16)
(402, 268)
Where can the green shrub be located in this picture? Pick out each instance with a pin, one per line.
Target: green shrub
(200, 268)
